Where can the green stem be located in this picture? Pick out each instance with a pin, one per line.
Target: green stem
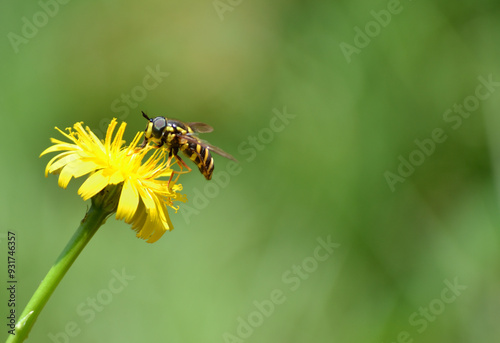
(94, 218)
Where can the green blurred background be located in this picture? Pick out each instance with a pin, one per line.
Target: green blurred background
(233, 64)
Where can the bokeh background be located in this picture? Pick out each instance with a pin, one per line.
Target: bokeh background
(416, 262)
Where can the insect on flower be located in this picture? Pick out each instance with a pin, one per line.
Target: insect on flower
(174, 135)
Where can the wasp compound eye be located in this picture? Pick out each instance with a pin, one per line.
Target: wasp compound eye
(159, 124)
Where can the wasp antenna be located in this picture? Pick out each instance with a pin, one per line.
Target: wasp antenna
(145, 115)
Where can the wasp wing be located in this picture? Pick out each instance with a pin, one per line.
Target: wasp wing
(200, 127)
(210, 147)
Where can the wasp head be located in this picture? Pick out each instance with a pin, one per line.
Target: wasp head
(155, 129)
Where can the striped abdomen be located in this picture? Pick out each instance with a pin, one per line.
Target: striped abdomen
(200, 155)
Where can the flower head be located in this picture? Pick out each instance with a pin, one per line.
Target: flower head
(145, 193)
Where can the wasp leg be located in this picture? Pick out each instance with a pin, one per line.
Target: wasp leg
(173, 172)
(144, 143)
(142, 146)
(181, 163)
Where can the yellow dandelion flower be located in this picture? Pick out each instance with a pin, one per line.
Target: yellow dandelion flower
(146, 191)
(121, 179)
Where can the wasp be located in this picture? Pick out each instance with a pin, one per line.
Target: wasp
(174, 135)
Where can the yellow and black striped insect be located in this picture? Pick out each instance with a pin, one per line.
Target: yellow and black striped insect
(174, 135)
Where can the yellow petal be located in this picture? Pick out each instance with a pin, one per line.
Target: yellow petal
(83, 167)
(147, 229)
(63, 160)
(65, 176)
(167, 224)
(139, 217)
(117, 141)
(89, 139)
(61, 155)
(93, 185)
(160, 228)
(136, 140)
(116, 177)
(148, 202)
(69, 136)
(109, 134)
(58, 147)
(129, 200)
(155, 236)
